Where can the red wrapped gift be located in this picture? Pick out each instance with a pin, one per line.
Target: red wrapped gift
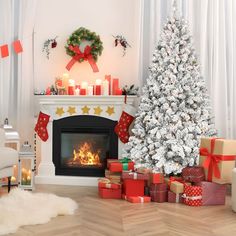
(212, 193)
(120, 165)
(106, 183)
(133, 187)
(134, 175)
(193, 174)
(156, 178)
(174, 197)
(192, 195)
(158, 192)
(139, 199)
(109, 193)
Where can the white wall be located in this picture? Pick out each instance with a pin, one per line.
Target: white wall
(106, 18)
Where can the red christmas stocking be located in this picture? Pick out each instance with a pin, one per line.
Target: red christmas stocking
(41, 126)
(126, 118)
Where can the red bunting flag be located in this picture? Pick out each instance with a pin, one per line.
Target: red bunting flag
(4, 50)
(17, 46)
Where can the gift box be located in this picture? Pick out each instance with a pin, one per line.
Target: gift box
(115, 177)
(175, 197)
(107, 183)
(193, 174)
(177, 187)
(109, 193)
(133, 187)
(120, 165)
(139, 199)
(192, 195)
(212, 193)
(144, 170)
(134, 175)
(158, 192)
(169, 180)
(156, 178)
(217, 156)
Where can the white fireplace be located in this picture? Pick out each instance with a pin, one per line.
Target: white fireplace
(60, 107)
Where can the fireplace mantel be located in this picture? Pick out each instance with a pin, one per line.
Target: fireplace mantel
(109, 107)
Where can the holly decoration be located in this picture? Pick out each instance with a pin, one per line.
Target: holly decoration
(80, 35)
(121, 40)
(48, 44)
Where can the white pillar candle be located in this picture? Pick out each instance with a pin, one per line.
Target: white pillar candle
(105, 88)
(90, 90)
(84, 85)
(77, 91)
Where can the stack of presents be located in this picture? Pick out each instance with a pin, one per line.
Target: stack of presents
(200, 185)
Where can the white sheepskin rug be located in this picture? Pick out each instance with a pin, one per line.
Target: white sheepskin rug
(21, 207)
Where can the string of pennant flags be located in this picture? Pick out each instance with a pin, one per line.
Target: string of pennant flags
(17, 46)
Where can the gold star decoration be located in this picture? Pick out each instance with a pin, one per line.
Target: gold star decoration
(60, 111)
(71, 110)
(110, 110)
(85, 110)
(97, 110)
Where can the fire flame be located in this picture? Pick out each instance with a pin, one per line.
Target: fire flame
(85, 156)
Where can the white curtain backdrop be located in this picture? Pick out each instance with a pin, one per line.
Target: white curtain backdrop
(214, 34)
(16, 71)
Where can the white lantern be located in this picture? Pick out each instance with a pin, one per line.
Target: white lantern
(26, 167)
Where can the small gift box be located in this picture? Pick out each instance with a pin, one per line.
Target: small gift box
(212, 193)
(169, 180)
(115, 177)
(156, 178)
(109, 193)
(217, 156)
(120, 165)
(193, 174)
(133, 187)
(175, 197)
(177, 187)
(192, 195)
(139, 199)
(158, 192)
(143, 170)
(107, 183)
(134, 175)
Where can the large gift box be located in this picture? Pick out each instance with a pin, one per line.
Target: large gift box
(120, 165)
(175, 197)
(134, 175)
(217, 156)
(158, 192)
(109, 193)
(193, 174)
(139, 199)
(192, 195)
(156, 178)
(133, 187)
(107, 183)
(213, 193)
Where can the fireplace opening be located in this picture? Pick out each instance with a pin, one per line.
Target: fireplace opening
(82, 144)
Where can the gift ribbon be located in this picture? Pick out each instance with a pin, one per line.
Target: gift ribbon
(141, 199)
(125, 162)
(86, 55)
(212, 160)
(134, 174)
(189, 198)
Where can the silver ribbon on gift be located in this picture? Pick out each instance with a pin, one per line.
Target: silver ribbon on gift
(187, 198)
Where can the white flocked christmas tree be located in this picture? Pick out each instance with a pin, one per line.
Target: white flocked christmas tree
(174, 110)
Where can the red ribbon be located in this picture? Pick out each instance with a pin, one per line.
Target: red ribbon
(212, 160)
(86, 55)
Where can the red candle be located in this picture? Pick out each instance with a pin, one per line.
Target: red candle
(82, 91)
(71, 90)
(119, 91)
(48, 91)
(98, 89)
(115, 85)
(108, 78)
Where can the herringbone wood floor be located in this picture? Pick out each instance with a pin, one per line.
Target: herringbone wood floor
(99, 217)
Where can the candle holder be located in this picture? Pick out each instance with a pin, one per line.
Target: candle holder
(26, 167)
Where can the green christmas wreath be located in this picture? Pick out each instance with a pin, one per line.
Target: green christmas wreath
(83, 34)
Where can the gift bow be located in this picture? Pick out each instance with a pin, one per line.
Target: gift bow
(86, 55)
(212, 160)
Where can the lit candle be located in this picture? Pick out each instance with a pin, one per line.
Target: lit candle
(82, 91)
(105, 88)
(71, 87)
(108, 78)
(98, 89)
(77, 91)
(115, 85)
(48, 91)
(118, 91)
(90, 90)
(84, 85)
(65, 78)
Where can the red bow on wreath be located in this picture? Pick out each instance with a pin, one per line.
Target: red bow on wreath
(86, 55)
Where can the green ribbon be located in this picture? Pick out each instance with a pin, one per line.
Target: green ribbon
(125, 162)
